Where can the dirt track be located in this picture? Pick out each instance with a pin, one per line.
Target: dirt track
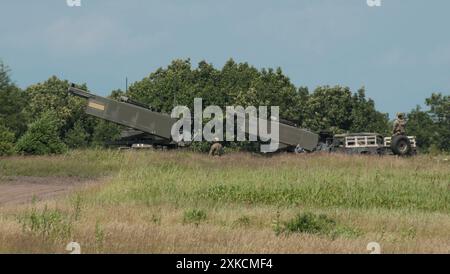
(19, 190)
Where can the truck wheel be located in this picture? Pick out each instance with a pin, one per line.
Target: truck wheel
(401, 145)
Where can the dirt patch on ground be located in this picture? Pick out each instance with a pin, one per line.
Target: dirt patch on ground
(24, 189)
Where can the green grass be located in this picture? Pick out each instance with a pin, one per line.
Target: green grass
(195, 216)
(238, 203)
(83, 164)
(47, 224)
(183, 178)
(328, 181)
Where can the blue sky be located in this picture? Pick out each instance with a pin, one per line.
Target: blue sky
(400, 51)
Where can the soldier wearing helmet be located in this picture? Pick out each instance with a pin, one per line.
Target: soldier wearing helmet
(216, 148)
(399, 125)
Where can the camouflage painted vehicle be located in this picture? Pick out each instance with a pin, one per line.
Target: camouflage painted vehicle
(148, 128)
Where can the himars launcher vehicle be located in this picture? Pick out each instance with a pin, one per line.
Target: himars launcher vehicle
(149, 128)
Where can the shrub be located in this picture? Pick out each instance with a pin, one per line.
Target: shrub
(6, 141)
(105, 132)
(194, 216)
(42, 137)
(76, 137)
(310, 223)
(200, 146)
(315, 224)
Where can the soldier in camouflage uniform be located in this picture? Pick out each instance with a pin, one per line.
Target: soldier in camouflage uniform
(216, 148)
(399, 125)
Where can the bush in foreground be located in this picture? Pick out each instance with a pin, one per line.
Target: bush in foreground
(310, 223)
(6, 141)
(195, 216)
(307, 223)
(42, 137)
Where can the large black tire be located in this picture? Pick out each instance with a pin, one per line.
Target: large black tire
(401, 145)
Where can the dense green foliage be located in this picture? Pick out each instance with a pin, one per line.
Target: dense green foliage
(6, 141)
(12, 102)
(77, 137)
(105, 132)
(309, 223)
(326, 108)
(432, 127)
(73, 128)
(336, 108)
(42, 136)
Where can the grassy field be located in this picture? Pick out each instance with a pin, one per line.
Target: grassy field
(182, 202)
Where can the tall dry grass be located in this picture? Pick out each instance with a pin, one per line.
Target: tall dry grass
(182, 202)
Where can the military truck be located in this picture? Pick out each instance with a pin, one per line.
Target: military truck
(149, 128)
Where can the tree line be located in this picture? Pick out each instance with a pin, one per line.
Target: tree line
(44, 119)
